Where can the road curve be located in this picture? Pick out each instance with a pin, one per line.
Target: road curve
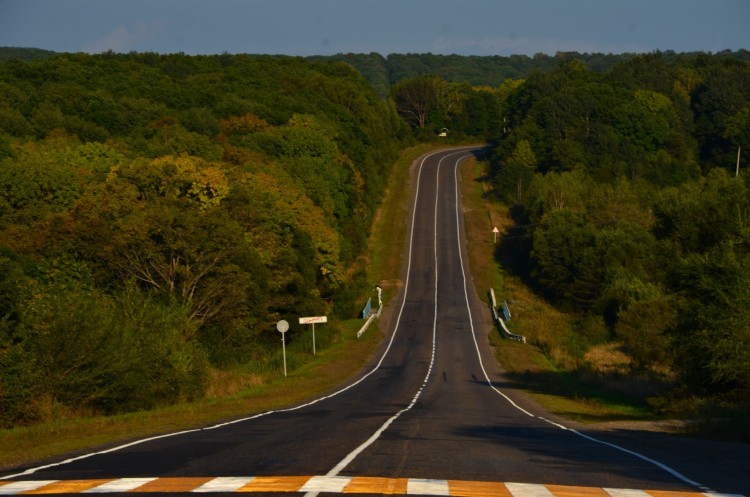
(434, 416)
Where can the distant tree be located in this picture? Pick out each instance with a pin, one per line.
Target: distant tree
(516, 172)
(416, 98)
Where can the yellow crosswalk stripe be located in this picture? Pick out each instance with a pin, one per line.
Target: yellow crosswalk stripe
(563, 491)
(327, 484)
(67, 487)
(172, 485)
(460, 488)
(377, 485)
(275, 484)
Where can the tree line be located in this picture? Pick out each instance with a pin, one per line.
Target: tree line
(160, 213)
(630, 195)
(491, 70)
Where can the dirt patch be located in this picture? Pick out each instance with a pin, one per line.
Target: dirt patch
(662, 426)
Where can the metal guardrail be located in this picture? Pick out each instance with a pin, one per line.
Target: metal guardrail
(372, 316)
(499, 321)
(368, 322)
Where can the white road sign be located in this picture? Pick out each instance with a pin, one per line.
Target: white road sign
(313, 320)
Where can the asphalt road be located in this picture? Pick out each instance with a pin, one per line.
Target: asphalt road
(434, 408)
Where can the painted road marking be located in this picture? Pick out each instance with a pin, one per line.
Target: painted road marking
(427, 487)
(18, 487)
(120, 485)
(68, 487)
(528, 490)
(328, 484)
(563, 491)
(224, 484)
(172, 485)
(625, 492)
(377, 485)
(275, 484)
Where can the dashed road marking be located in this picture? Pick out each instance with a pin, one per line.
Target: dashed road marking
(328, 484)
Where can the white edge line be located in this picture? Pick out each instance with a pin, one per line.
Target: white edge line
(356, 452)
(660, 465)
(220, 425)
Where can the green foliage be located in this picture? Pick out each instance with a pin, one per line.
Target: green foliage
(714, 324)
(516, 173)
(159, 213)
(36, 182)
(620, 220)
(83, 352)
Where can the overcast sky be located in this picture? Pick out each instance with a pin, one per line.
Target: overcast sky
(323, 27)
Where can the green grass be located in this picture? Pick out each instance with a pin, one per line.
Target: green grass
(341, 355)
(390, 225)
(256, 387)
(317, 374)
(544, 367)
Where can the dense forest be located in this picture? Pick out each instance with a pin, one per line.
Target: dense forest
(492, 70)
(630, 195)
(159, 213)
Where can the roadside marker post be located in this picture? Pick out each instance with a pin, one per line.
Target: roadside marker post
(312, 320)
(283, 326)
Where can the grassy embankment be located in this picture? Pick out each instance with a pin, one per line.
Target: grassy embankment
(593, 387)
(237, 393)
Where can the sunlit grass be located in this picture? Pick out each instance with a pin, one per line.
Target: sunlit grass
(257, 386)
(260, 386)
(244, 394)
(544, 366)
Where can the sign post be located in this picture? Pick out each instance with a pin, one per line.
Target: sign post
(283, 326)
(368, 308)
(312, 320)
(495, 231)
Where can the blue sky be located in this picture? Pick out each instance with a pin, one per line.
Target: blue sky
(323, 27)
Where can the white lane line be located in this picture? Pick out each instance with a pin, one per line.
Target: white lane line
(23, 486)
(528, 490)
(335, 484)
(419, 486)
(224, 484)
(242, 420)
(466, 291)
(664, 467)
(719, 494)
(121, 485)
(656, 463)
(356, 452)
(625, 492)
(78, 458)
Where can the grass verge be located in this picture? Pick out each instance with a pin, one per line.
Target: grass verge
(235, 394)
(543, 367)
(346, 355)
(320, 373)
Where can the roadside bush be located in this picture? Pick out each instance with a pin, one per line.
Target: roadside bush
(82, 352)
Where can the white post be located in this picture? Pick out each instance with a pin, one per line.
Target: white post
(283, 348)
(312, 320)
(283, 326)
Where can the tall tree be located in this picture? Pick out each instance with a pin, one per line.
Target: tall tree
(415, 98)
